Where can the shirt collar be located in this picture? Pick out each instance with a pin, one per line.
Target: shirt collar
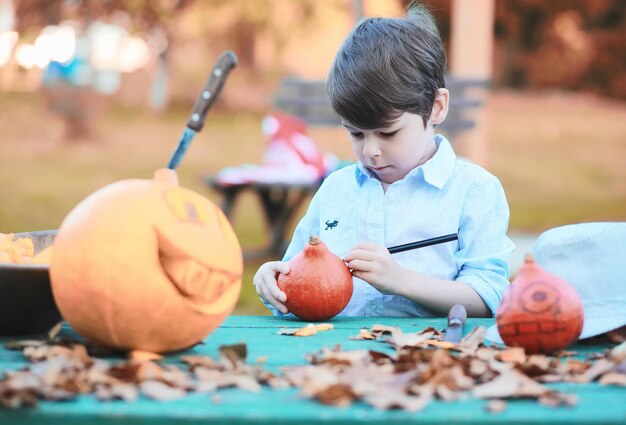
(435, 171)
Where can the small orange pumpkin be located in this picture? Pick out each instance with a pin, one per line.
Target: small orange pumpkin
(318, 285)
(146, 265)
(539, 311)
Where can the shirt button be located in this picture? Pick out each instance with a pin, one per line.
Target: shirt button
(373, 309)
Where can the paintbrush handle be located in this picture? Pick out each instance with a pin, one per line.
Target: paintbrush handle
(421, 244)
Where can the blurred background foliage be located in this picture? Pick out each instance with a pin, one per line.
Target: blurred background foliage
(558, 44)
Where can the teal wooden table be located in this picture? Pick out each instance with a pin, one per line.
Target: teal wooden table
(598, 404)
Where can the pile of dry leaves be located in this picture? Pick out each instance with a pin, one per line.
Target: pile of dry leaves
(422, 368)
(62, 371)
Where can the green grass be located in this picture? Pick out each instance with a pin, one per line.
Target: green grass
(560, 159)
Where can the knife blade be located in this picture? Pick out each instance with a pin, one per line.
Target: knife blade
(206, 99)
(456, 320)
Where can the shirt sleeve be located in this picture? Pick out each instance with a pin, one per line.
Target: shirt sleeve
(484, 247)
(308, 225)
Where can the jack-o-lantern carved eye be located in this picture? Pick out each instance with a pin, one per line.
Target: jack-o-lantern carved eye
(540, 297)
(188, 206)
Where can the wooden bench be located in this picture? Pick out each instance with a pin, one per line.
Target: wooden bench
(308, 100)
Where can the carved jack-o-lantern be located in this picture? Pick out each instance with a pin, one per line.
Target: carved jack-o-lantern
(146, 265)
(539, 311)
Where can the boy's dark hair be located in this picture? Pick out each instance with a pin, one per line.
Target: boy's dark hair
(388, 66)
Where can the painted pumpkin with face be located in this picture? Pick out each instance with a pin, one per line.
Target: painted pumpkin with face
(146, 265)
(539, 311)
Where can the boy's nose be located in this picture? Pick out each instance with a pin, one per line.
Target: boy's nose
(371, 148)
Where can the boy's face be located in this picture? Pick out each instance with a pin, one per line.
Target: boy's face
(390, 153)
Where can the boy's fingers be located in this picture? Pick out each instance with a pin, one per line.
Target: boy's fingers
(277, 304)
(360, 274)
(358, 265)
(279, 266)
(267, 293)
(359, 254)
(277, 293)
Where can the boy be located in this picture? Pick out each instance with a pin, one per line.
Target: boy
(387, 85)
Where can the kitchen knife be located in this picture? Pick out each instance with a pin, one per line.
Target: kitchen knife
(456, 320)
(225, 63)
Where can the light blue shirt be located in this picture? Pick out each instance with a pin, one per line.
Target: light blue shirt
(444, 195)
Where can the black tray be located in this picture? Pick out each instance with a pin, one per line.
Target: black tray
(27, 306)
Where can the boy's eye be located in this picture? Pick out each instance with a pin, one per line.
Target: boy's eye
(356, 134)
(390, 134)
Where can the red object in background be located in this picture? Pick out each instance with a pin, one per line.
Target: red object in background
(539, 311)
(290, 156)
(318, 285)
(288, 143)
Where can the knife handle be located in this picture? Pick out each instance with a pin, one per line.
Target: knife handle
(211, 91)
(457, 315)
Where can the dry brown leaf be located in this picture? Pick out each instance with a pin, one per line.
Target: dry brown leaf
(478, 368)
(334, 357)
(620, 367)
(364, 334)
(472, 341)
(324, 327)
(308, 330)
(597, 369)
(512, 355)
(613, 378)
(401, 339)
(174, 377)
(161, 392)
(556, 399)
(140, 355)
(197, 361)
(125, 392)
(618, 353)
(441, 344)
(380, 330)
(311, 379)
(54, 331)
(397, 400)
(24, 343)
(509, 385)
(336, 395)
(234, 354)
(496, 406)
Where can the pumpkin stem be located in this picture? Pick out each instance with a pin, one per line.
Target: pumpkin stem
(167, 176)
(314, 240)
(528, 258)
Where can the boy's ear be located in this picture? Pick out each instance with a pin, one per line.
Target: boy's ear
(440, 107)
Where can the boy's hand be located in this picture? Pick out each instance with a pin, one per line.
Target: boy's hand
(264, 282)
(373, 263)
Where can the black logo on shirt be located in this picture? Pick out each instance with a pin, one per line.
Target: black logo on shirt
(331, 224)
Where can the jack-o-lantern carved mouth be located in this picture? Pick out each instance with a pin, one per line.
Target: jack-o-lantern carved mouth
(208, 289)
(530, 327)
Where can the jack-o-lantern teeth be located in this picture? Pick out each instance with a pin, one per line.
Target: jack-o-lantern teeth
(540, 297)
(196, 280)
(207, 290)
